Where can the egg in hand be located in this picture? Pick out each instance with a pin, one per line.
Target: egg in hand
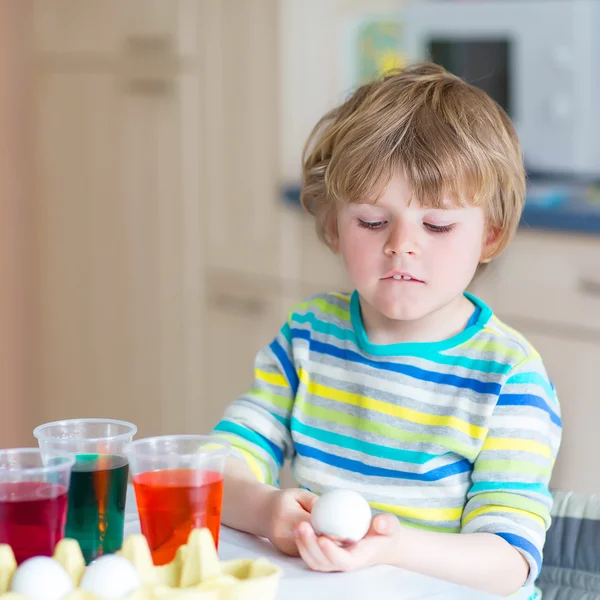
(343, 515)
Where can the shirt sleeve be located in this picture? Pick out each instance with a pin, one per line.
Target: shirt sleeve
(510, 494)
(257, 424)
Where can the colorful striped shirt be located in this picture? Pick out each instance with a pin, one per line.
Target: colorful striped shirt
(452, 436)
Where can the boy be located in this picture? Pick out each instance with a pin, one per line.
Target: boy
(408, 390)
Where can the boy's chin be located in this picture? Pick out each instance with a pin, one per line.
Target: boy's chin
(402, 311)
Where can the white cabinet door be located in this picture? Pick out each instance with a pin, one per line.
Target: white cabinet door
(118, 247)
(80, 30)
(243, 315)
(242, 210)
(573, 366)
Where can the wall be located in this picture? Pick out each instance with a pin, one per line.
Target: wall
(15, 239)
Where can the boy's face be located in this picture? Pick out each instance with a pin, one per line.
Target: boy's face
(381, 244)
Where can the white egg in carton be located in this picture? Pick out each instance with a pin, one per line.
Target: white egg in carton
(194, 574)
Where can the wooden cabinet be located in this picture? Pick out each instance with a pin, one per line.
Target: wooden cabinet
(572, 365)
(156, 159)
(119, 247)
(78, 31)
(241, 208)
(553, 279)
(243, 315)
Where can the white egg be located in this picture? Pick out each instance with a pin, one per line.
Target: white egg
(110, 576)
(41, 578)
(343, 515)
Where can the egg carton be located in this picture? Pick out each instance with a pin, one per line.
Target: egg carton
(194, 574)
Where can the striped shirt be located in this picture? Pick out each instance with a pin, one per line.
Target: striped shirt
(452, 436)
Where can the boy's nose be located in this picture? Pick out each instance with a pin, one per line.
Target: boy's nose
(401, 241)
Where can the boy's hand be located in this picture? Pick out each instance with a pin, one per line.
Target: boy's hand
(286, 510)
(321, 553)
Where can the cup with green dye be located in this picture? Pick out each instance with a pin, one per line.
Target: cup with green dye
(96, 505)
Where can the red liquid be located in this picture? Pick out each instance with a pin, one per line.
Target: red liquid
(173, 502)
(32, 517)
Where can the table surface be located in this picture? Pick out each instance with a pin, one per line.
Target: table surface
(299, 582)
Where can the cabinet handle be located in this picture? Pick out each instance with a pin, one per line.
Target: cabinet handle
(245, 306)
(589, 287)
(148, 86)
(149, 46)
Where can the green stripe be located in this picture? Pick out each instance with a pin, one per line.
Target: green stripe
(431, 527)
(514, 500)
(324, 307)
(382, 429)
(283, 402)
(496, 347)
(368, 448)
(511, 466)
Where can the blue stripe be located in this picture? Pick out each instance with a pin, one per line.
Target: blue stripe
(368, 448)
(286, 365)
(324, 327)
(253, 437)
(488, 486)
(520, 542)
(528, 400)
(472, 364)
(331, 460)
(532, 377)
(482, 387)
(286, 332)
(283, 420)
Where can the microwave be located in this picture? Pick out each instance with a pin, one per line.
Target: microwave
(539, 59)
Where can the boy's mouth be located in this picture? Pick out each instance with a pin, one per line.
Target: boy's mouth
(401, 276)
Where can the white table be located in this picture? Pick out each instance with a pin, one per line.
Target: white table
(300, 583)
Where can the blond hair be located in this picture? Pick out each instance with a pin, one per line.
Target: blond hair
(449, 138)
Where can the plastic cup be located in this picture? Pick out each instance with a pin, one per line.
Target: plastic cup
(178, 482)
(96, 508)
(33, 500)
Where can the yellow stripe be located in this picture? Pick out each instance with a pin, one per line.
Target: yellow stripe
(423, 514)
(492, 443)
(343, 297)
(386, 408)
(253, 464)
(491, 508)
(271, 378)
(494, 348)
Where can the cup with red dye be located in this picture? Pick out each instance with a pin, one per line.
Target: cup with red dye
(178, 483)
(33, 500)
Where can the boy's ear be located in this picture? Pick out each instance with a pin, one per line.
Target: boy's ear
(489, 249)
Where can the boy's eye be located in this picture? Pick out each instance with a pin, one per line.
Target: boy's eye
(439, 228)
(371, 224)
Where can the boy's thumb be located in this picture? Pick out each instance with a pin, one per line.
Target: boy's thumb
(306, 499)
(385, 524)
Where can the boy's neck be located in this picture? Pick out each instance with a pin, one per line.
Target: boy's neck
(442, 324)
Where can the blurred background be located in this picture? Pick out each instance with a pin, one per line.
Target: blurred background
(150, 235)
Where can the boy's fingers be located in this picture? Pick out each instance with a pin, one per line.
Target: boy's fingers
(306, 499)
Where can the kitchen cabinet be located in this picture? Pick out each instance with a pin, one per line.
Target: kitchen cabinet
(241, 208)
(243, 315)
(78, 33)
(117, 144)
(572, 365)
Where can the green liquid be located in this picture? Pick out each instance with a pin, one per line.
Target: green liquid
(96, 510)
